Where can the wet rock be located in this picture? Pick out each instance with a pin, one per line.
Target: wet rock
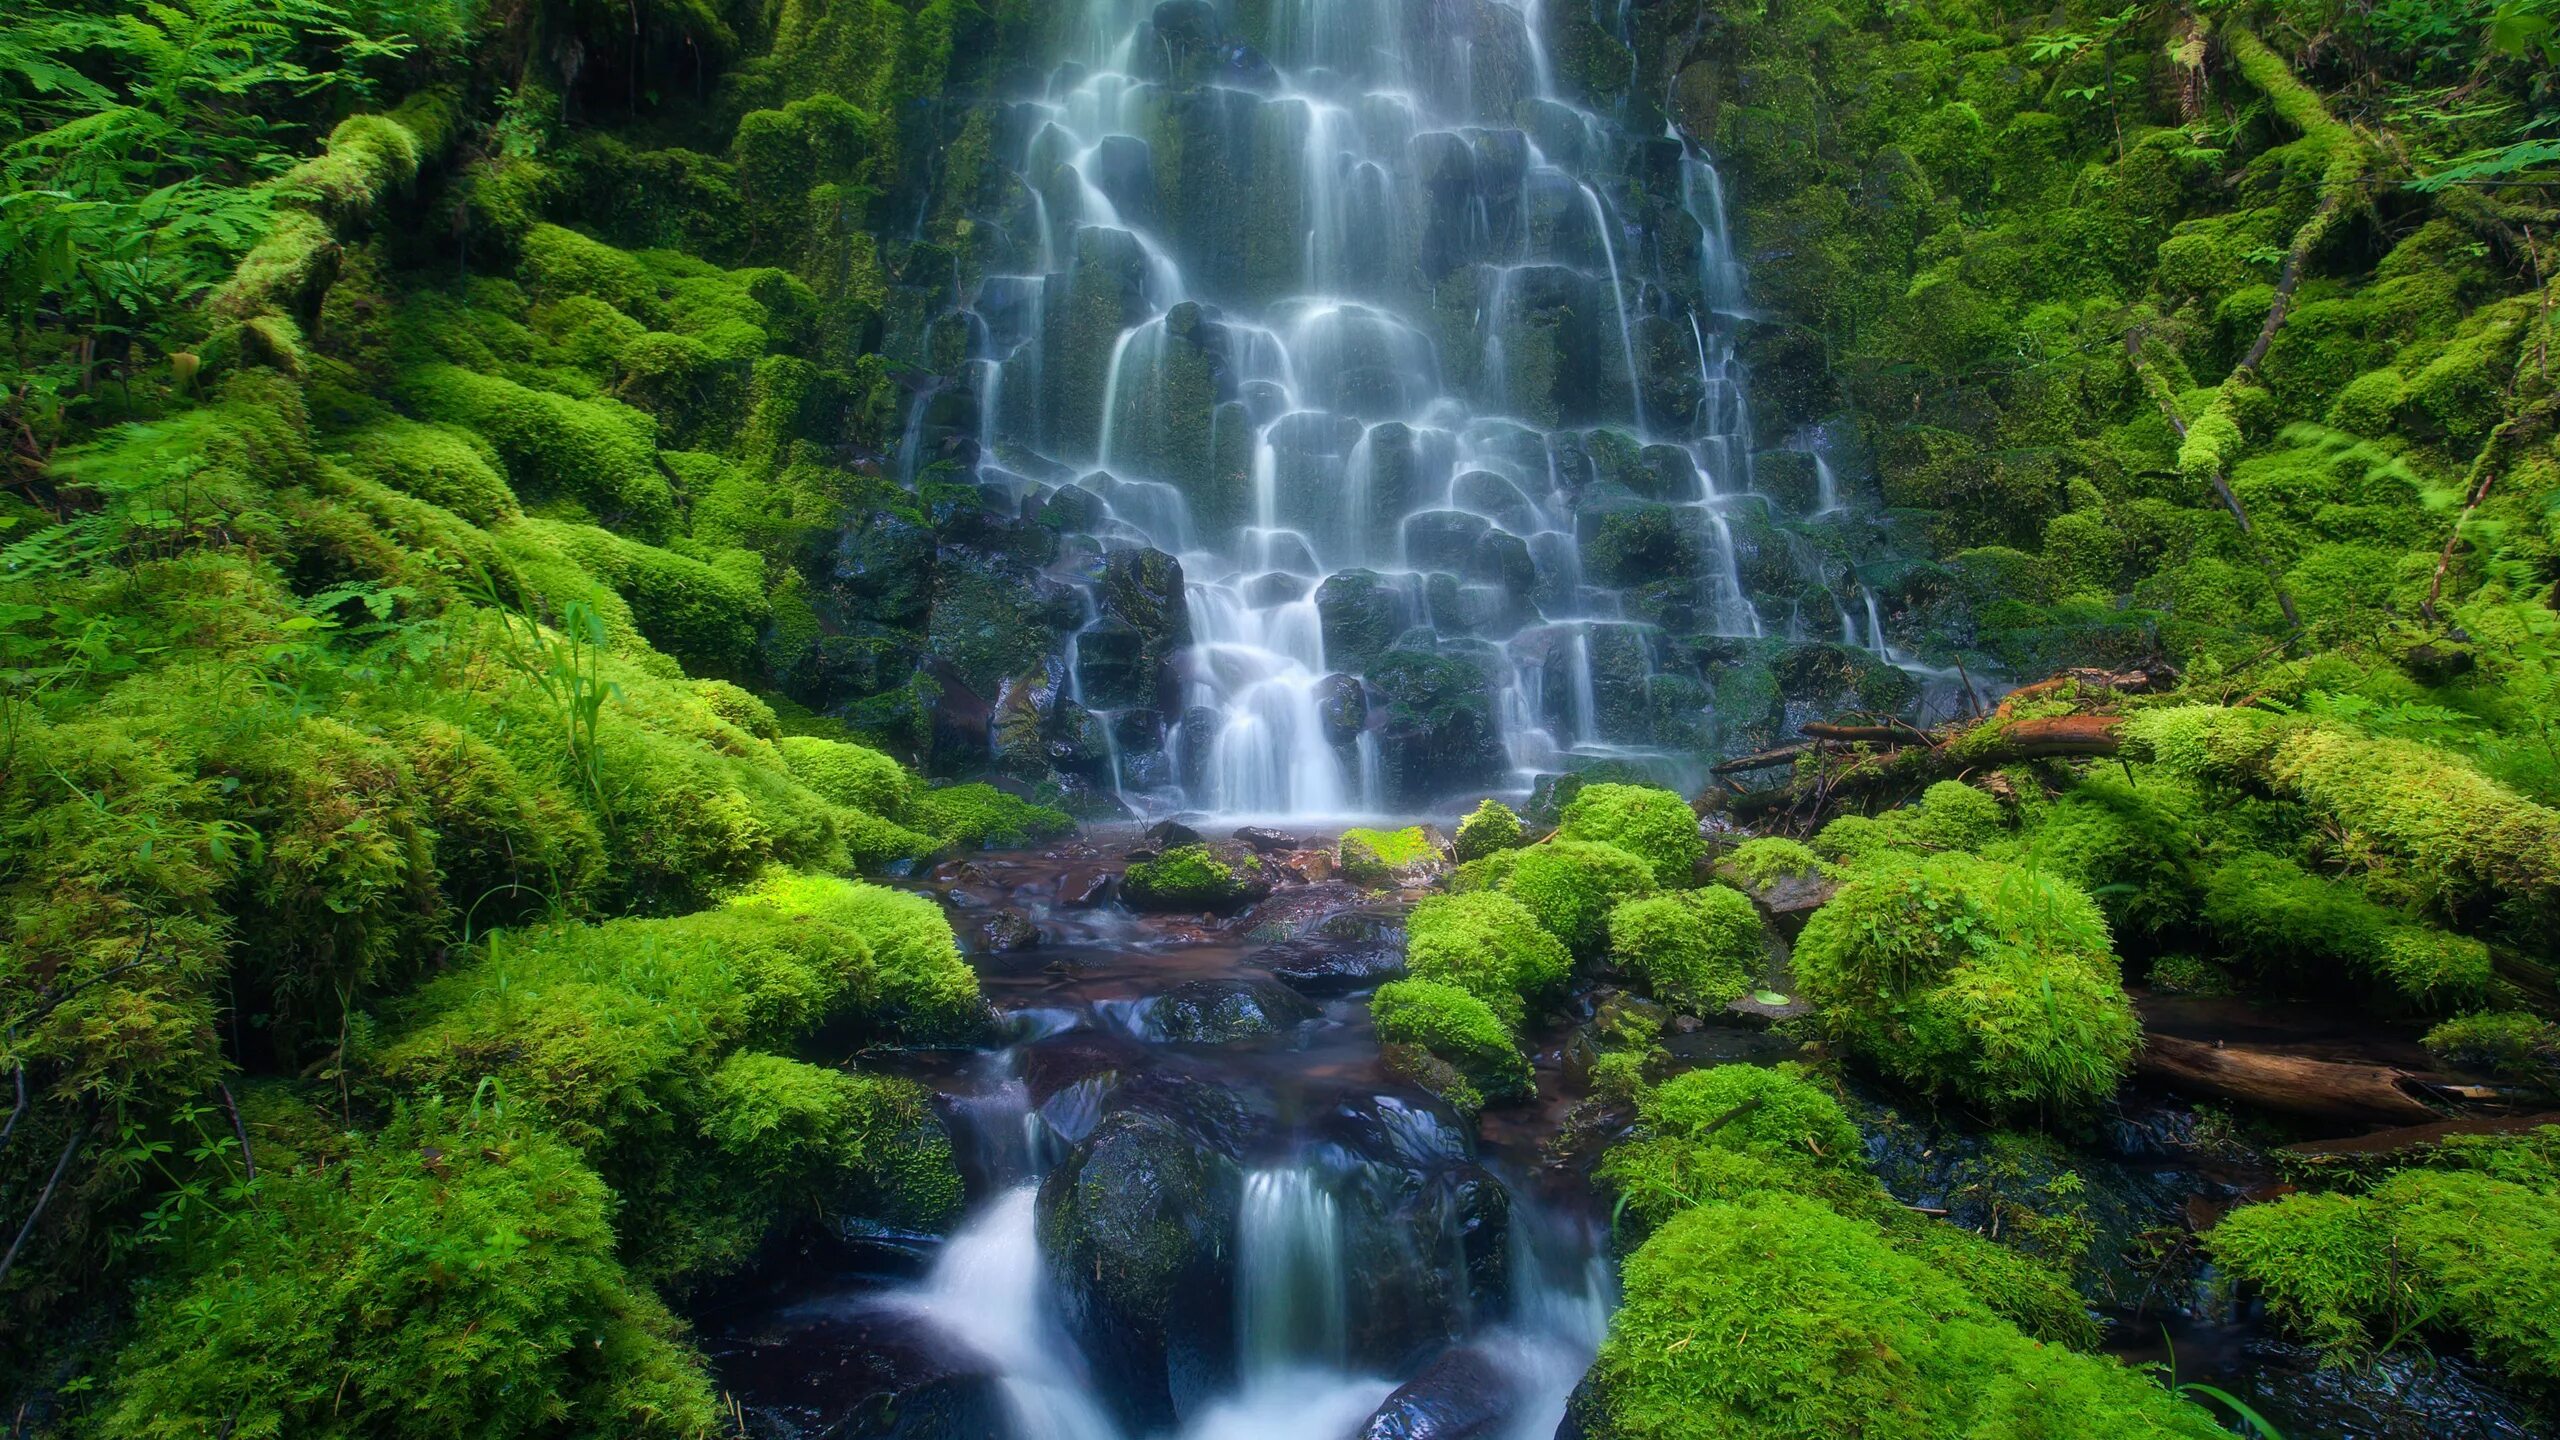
(881, 1374)
(1404, 1220)
(1220, 879)
(1142, 590)
(1300, 910)
(1312, 867)
(1137, 1224)
(1788, 900)
(1440, 734)
(1262, 592)
(1218, 1012)
(1789, 479)
(1115, 666)
(1465, 1394)
(1342, 707)
(1081, 886)
(1826, 677)
(1361, 615)
(1165, 834)
(1265, 840)
(884, 569)
(1443, 539)
(1003, 932)
(1327, 967)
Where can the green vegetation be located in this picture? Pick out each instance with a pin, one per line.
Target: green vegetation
(1385, 857)
(1458, 1028)
(1657, 826)
(1694, 949)
(1571, 885)
(1489, 827)
(1490, 946)
(1990, 981)
(1189, 877)
(1760, 1219)
(2458, 1251)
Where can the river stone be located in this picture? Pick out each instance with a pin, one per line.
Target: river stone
(1138, 1224)
(1465, 1394)
(1330, 967)
(1440, 735)
(876, 1373)
(1217, 1012)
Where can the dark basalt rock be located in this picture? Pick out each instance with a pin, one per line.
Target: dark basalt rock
(1361, 615)
(1138, 1224)
(1166, 834)
(877, 1374)
(1265, 840)
(1465, 1394)
(1322, 967)
(1003, 932)
(1216, 1012)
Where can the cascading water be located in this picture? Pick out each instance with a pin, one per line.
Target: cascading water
(1401, 354)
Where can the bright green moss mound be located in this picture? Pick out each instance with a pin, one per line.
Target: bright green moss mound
(1489, 945)
(980, 816)
(1843, 1336)
(2453, 1252)
(2297, 930)
(1654, 825)
(1187, 877)
(1383, 857)
(1694, 949)
(2508, 1043)
(1489, 827)
(2134, 848)
(1571, 886)
(452, 1274)
(1951, 815)
(851, 774)
(1456, 1027)
(1768, 859)
(1982, 979)
(610, 1031)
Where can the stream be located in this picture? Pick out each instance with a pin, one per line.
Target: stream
(1200, 1208)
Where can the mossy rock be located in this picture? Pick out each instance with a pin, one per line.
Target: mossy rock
(1196, 877)
(1411, 856)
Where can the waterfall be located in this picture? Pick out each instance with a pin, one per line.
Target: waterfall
(987, 1289)
(1290, 1310)
(1330, 285)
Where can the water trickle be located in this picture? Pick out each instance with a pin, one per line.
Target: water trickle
(1290, 1310)
(988, 1290)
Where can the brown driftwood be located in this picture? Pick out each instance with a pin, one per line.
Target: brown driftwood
(2400, 1140)
(2325, 1091)
(1896, 734)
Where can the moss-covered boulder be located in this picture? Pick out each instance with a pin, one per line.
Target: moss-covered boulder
(1196, 877)
(1694, 949)
(1410, 856)
(1491, 946)
(1993, 982)
(1654, 824)
(1459, 1030)
(1491, 826)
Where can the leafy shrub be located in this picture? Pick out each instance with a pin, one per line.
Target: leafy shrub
(1695, 949)
(1489, 945)
(1489, 827)
(1973, 976)
(1458, 1028)
(1657, 826)
(1571, 885)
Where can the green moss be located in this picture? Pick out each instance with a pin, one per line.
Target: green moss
(1694, 949)
(1953, 973)
(439, 464)
(705, 615)
(1384, 857)
(853, 775)
(1187, 877)
(598, 453)
(1951, 815)
(1458, 1028)
(1847, 1336)
(979, 816)
(1766, 860)
(1488, 944)
(1657, 826)
(2511, 1044)
(2454, 1252)
(2294, 928)
(2134, 848)
(1571, 885)
(1489, 827)
(454, 1272)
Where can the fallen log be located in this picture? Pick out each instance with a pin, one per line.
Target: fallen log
(2401, 1140)
(1764, 759)
(2324, 1091)
(1869, 734)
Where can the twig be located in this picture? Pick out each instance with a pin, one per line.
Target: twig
(44, 1201)
(248, 1162)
